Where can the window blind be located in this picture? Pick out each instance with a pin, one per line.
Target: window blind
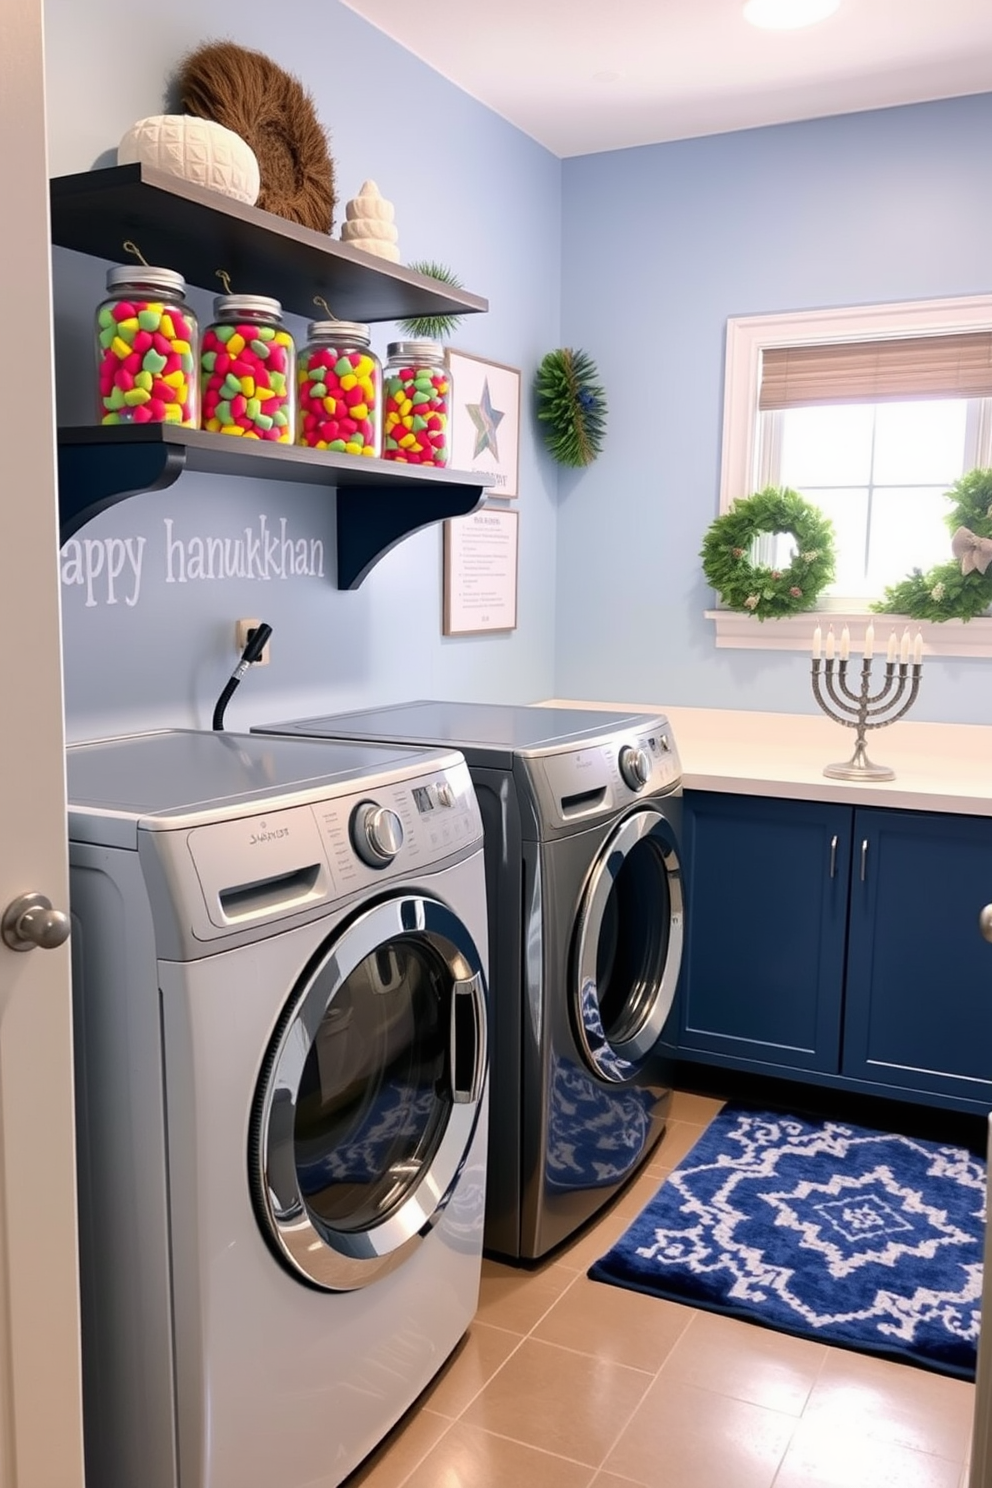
(948, 366)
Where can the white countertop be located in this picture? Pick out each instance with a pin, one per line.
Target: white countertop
(939, 766)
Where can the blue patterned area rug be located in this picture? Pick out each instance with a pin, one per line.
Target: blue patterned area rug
(827, 1230)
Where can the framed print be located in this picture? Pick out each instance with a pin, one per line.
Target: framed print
(485, 419)
(480, 572)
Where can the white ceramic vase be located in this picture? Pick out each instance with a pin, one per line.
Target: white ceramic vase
(196, 149)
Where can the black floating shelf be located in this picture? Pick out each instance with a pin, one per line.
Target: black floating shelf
(378, 502)
(195, 231)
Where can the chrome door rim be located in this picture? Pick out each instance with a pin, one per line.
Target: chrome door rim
(621, 1061)
(338, 1260)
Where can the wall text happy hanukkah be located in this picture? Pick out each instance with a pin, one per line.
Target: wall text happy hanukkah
(111, 569)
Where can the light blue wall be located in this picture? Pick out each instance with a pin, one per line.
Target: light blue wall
(469, 191)
(660, 246)
(639, 256)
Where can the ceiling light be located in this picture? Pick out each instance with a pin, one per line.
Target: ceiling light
(788, 15)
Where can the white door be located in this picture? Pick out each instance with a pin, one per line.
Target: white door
(40, 1411)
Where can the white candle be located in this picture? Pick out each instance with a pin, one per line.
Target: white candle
(869, 642)
(890, 654)
(817, 642)
(845, 644)
(829, 650)
(904, 648)
(918, 648)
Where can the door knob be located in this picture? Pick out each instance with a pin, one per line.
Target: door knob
(985, 921)
(29, 921)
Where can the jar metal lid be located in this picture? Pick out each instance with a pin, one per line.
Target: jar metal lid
(346, 329)
(144, 274)
(236, 303)
(427, 351)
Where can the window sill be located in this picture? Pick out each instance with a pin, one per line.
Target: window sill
(738, 632)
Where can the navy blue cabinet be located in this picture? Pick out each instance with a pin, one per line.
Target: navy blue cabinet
(918, 1005)
(841, 943)
(767, 890)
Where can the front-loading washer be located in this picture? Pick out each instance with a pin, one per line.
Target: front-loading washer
(582, 815)
(279, 985)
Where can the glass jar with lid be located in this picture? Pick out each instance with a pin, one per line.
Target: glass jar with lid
(417, 404)
(249, 370)
(147, 347)
(340, 389)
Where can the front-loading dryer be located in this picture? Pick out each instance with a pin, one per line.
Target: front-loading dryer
(280, 1003)
(582, 816)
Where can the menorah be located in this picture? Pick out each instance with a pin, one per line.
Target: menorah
(864, 709)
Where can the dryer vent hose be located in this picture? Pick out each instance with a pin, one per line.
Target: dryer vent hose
(253, 650)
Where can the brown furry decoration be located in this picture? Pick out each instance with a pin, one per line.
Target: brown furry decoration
(268, 108)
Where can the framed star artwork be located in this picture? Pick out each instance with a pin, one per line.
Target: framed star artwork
(485, 419)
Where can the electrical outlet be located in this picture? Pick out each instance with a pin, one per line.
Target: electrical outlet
(242, 635)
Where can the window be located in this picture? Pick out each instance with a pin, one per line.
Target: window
(880, 472)
(872, 414)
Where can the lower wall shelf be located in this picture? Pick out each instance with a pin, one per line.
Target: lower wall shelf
(378, 502)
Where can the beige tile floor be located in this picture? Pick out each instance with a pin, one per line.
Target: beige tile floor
(563, 1382)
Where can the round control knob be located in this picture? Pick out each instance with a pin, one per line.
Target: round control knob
(377, 834)
(635, 767)
(985, 922)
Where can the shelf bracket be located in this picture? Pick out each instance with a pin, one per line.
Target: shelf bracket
(93, 477)
(370, 523)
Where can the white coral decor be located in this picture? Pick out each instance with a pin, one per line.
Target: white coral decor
(199, 150)
(369, 223)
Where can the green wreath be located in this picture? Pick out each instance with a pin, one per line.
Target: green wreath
(572, 402)
(961, 588)
(757, 590)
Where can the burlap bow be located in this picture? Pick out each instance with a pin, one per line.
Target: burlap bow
(974, 552)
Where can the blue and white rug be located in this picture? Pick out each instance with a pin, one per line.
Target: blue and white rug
(823, 1229)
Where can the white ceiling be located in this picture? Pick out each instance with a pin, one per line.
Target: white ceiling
(587, 75)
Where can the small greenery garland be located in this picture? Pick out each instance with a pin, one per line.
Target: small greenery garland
(757, 590)
(944, 592)
(433, 327)
(571, 401)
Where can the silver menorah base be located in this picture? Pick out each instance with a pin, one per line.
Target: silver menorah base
(859, 766)
(864, 710)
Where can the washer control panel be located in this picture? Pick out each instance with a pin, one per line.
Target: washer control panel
(256, 868)
(398, 828)
(575, 784)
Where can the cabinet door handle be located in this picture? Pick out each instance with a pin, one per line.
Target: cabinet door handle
(864, 859)
(833, 855)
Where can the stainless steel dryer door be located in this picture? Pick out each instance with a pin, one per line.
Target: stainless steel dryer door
(628, 945)
(370, 1093)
